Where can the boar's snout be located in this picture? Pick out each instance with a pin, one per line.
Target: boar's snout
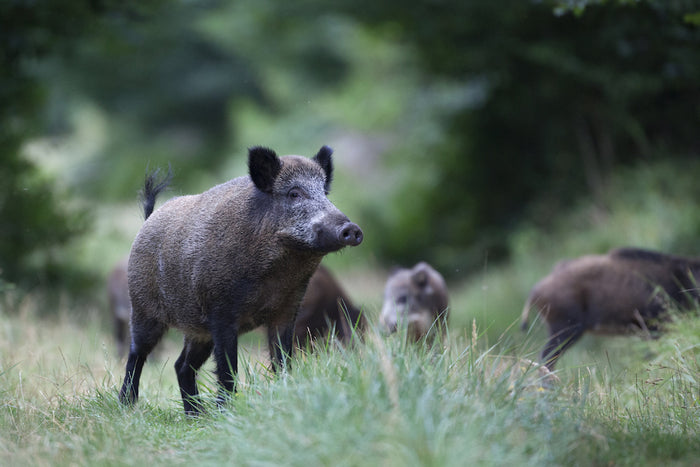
(350, 234)
(334, 235)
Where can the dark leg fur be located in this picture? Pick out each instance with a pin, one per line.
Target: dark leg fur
(560, 339)
(226, 356)
(144, 338)
(193, 356)
(129, 393)
(280, 340)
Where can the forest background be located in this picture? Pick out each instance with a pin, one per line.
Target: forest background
(466, 133)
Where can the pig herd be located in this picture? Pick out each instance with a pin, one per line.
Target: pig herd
(246, 254)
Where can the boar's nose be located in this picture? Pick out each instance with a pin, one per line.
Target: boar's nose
(350, 234)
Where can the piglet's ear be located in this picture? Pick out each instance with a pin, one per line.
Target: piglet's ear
(420, 278)
(323, 158)
(263, 166)
(420, 274)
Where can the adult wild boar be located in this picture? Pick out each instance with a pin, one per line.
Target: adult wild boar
(326, 308)
(238, 256)
(119, 304)
(624, 290)
(416, 298)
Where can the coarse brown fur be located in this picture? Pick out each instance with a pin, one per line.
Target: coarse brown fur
(416, 298)
(627, 289)
(327, 308)
(238, 256)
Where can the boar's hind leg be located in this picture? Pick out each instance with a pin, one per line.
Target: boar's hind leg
(193, 356)
(145, 334)
(561, 337)
(280, 340)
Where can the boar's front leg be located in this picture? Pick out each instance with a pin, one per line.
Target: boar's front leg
(193, 356)
(561, 337)
(225, 337)
(280, 340)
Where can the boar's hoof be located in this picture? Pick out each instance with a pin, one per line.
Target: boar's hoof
(351, 234)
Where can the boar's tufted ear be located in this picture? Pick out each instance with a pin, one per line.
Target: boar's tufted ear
(323, 157)
(263, 166)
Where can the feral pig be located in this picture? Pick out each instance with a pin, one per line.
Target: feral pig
(624, 290)
(326, 308)
(416, 298)
(119, 304)
(221, 263)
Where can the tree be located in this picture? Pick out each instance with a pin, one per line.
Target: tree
(35, 218)
(565, 99)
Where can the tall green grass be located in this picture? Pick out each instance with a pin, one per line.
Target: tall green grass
(383, 401)
(472, 401)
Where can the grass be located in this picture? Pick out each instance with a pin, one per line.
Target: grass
(381, 402)
(619, 401)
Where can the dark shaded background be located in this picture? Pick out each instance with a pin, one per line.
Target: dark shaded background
(471, 117)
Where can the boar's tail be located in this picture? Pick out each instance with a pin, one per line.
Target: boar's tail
(153, 185)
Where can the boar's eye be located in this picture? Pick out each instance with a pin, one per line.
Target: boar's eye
(295, 193)
(401, 299)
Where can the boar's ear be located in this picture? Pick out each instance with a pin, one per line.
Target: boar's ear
(263, 166)
(420, 275)
(323, 157)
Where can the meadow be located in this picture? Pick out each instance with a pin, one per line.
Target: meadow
(469, 401)
(381, 402)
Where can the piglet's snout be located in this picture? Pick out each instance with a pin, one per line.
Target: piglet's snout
(350, 234)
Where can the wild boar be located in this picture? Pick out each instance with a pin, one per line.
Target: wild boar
(119, 304)
(326, 308)
(625, 290)
(416, 298)
(221, 263)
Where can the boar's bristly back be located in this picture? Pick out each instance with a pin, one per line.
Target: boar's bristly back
(152, 187)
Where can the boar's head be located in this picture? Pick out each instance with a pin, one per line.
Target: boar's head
(294, 191)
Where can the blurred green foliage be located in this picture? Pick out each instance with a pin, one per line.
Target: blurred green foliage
(459, 120)
(34, 217)
(565, 100)
(33, 224)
